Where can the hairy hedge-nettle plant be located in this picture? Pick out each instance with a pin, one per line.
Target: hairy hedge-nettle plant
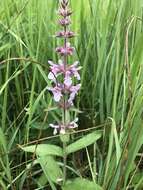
(65, 78)
(62, 75)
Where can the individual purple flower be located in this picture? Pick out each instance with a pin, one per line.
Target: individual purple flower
(67, 79)
(64, 51)
(73, 69)
(55, 69)
(57, 92)
(73, 91)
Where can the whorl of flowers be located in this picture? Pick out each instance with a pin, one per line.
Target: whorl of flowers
(62, 74)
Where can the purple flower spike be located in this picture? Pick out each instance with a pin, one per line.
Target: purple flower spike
(63, 74)
(64, 51)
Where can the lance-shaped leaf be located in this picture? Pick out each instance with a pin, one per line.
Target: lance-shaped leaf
(44, 149)
(51, 169)
(79, 184)
(83, 142)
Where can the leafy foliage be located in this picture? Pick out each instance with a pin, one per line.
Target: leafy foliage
(79, 184)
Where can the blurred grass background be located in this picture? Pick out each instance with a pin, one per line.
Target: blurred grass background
(110, 48)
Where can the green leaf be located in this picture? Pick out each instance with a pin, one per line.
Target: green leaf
(81, 184)
(83, 142)
(3, 142)
(44, 149)
(2, 184)
(42, 181)
(50, 168)
(117, 143)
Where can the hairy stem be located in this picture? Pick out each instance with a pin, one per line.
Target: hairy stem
(65, 163)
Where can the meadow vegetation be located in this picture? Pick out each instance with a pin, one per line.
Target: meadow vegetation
(105, 152)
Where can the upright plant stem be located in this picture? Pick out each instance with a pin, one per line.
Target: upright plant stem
(65, 163)
(64, 143)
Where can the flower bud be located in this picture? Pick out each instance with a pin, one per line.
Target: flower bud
(64, 12)
(64, 21)
(63, 34)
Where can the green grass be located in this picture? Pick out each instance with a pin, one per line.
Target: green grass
(109, 47)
